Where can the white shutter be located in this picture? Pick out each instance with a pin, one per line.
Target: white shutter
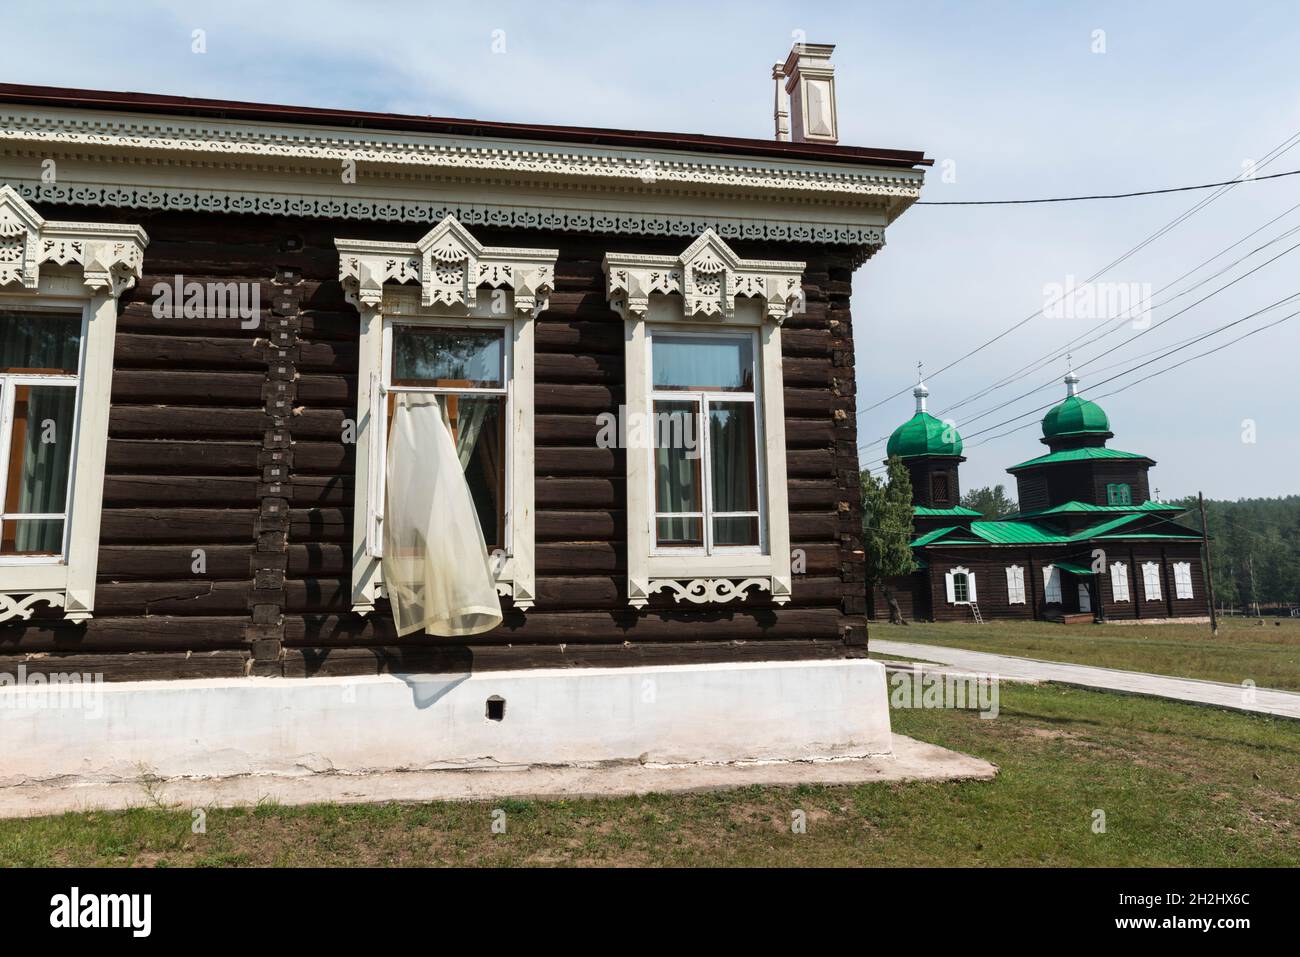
(1015, 585)
(952, 594)
(378, 465)
(970, 587)
(1151, 581)
(1119, 581)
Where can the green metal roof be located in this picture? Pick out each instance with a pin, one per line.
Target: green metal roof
(956, 512)
(1078, 455)
(1075, 416)
(1017, 532)
(1074, 508)
(923, 434)
(928, 537)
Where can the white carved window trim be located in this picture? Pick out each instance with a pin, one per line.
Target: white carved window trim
(1183, 580)
(457, 281)
(69, 268)
(1052, 585)
(950, 584)
(1119, 581)
(1151, 581)
(1015, 585)
(707, 288)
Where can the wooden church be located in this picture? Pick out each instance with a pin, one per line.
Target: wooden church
(1089, 542)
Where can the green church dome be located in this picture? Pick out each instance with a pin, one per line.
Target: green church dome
(1075, 416)
(923, 434)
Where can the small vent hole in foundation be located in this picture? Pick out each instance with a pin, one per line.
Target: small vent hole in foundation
(496, 708)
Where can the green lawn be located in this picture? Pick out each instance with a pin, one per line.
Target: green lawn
(1179, 785)
(1268, 653)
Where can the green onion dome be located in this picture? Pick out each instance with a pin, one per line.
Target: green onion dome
(923, 434)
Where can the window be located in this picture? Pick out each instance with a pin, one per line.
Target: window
(1052, 585)
(1119, 494)
(960, 582)
(1151, 581)
(1015, 585)
(706, 471)
(707, 516)
(1119, 581)
(453, 317)
(939, 488)
(1182, 580)
(59, 287)
(466, 367)
(39, 364)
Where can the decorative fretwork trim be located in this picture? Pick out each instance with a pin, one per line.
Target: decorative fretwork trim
(110, 255)
(11, 606)
(505, 216)
(709, 277)
(710, 590)
(192, 142)
(449, 264)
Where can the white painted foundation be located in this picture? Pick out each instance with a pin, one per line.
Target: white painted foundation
(667, 715)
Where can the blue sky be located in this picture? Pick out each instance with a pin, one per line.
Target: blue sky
(1012, 94)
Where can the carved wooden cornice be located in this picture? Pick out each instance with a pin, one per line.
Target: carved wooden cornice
(709, 277)
(110, 255)
(449, 265)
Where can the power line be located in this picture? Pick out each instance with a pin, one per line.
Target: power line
(1136, 382)
(1269, 157)
(1079, 199)
(1126, 342)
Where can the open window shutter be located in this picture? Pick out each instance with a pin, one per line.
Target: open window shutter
(375, 499)
(970, 587)
(952, 594)
(1012, 572)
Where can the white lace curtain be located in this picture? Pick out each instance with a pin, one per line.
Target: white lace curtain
(436, 566)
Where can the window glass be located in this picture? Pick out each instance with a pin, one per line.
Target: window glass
(960, 587)
(460, 363)
(39, 343)
(469, 358)
(679, 493)
(720, 363)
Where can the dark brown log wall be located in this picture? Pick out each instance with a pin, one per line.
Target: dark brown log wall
(229, 441)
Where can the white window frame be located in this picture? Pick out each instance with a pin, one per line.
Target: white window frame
(1052, 586)
(1015, 585)
(708, 288)
(705, 396)
(459, 282)
(1151, 587)
(1183, 580)
(78, 269)
(1119, 589)
(950, 583)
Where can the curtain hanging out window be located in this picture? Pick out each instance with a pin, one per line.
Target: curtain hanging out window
(435, 561)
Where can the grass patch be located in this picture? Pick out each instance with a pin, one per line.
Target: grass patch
(1180, 785)
(1267, 653)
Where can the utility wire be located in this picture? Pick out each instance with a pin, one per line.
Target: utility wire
(1079, 199)
(1121, 345)
(1273, 154)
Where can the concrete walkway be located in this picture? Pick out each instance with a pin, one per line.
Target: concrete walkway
(1282, 704)
(911, 760)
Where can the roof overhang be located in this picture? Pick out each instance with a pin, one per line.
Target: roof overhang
(141, 152)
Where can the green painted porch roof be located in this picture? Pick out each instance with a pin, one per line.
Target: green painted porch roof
(955, 512)
(1078, 455)
(1073, 569)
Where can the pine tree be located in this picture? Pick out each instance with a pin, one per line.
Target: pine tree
(887, 522)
